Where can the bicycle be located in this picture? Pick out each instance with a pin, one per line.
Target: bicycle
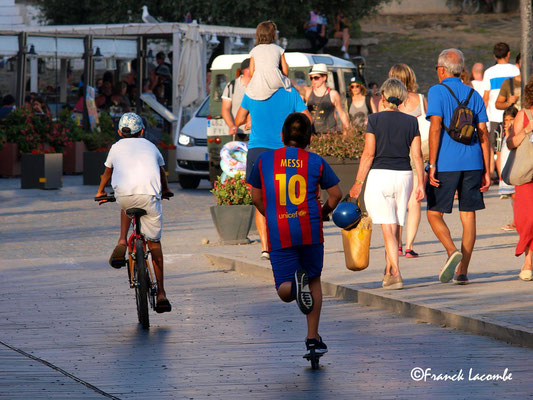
(141, 273)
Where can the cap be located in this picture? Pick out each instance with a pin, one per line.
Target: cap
(245, 64)
(319, 69)
(356, 80)
(163, 70)
(132, 121)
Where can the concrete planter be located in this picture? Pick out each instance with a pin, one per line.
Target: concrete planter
(169, 155)
(346, 171)
(9, 160)
(73, 158)
(41, 171)
(233, 223)
(93, 166)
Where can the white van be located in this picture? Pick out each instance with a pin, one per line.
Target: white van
(199, 159)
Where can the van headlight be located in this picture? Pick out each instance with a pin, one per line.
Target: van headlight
(185, 140)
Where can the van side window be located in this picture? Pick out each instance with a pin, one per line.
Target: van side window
(220, 84)
(300, 77)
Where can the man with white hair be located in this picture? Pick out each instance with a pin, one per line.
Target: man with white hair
(455, 166)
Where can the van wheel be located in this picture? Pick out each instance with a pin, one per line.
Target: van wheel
(189, 181)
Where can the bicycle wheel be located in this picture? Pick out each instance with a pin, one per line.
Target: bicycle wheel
(141, 288)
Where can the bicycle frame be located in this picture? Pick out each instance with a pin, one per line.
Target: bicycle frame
(137, 235)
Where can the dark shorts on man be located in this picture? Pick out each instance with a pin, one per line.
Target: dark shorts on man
(493, 127)
(467, 184)
(251, 158)
(286, 261)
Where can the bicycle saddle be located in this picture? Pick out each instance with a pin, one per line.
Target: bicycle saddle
(132, 212)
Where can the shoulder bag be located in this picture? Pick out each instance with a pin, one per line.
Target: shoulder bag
(518, 169)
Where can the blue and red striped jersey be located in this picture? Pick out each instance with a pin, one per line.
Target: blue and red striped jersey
(290, 180)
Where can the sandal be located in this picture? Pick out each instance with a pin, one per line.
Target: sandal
(118, 257)
(400, 251)
(409, 253)
(163, 306)
(509, 227)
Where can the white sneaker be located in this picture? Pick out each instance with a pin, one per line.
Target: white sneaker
(343, 49)
(304, 299)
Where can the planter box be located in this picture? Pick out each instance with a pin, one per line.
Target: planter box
(93, 166)
(169, 155)
(41, 171)
(346, 171)
(233, 223)
(9, 160)
(73, 158)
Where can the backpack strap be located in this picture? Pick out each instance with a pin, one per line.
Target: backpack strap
(452, 93)
(232, 87)
(465, 103)
(368, 104)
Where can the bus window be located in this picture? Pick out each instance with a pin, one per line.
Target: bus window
(220, 84)
(299, 77)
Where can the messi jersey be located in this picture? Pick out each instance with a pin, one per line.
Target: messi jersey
(290, 179)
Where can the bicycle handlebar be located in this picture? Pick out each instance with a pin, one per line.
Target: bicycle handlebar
(105, 199)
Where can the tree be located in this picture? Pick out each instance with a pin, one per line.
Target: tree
(289, 15)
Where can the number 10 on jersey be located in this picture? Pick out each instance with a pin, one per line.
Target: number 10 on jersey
(295, 199)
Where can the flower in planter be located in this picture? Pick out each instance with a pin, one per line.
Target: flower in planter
(234, 191)
(348, 146)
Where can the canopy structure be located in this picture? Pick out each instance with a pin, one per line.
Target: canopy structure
(116, 41)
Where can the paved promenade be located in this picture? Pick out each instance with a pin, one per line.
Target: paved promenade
(68, 326)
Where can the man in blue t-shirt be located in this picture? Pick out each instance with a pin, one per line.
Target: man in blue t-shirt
(285, 187)
(267, 117)
(454, 166)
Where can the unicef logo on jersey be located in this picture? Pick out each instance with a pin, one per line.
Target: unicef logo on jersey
(296, 214)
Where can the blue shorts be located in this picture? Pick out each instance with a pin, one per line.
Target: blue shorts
(286, 261)
(466, 183)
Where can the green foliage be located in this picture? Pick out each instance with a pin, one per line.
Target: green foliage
(34, 133)
(103, 139)
(288, 15)
(349, 146)
(234, 191)
(74, 131)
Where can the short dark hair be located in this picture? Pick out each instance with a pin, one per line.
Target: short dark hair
(265, 33)
(296, 130)
(8, 100)
(501, 50)
(160, 56)
(511, 110)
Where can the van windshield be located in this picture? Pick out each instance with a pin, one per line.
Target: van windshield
(203, 112)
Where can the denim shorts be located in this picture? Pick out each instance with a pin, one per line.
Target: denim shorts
(285, 262)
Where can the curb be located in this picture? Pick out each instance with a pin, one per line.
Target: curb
(480, 326)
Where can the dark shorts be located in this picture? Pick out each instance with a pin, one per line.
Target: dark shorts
(467, 184)
(492, 134)
(251, 158)
(286, 261)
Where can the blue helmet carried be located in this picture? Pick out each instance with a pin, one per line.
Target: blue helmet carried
(347, 215)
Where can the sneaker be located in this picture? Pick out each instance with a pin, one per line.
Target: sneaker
(304, 299)
(346, 56)
(392, 282)
(410, 253)
(265, 255)
(446, 273)
(460, 279)
(526, 275)
(343, 49)
(319, 346)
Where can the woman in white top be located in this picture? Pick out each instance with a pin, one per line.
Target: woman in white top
(416, 105)
(266, 58)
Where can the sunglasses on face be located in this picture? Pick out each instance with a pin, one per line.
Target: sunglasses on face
(315, 77)
(354, 86)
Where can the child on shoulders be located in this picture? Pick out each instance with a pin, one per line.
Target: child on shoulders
(265, 61)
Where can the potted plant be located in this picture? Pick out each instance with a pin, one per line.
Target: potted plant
(98, 144)
(342, 153)
(41, 169)
(74, 149)
(9, 157)
(234, 211)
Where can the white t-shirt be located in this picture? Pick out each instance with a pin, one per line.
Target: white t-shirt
(492, 81)
(478, 87)
(234, 93)
(135, 163)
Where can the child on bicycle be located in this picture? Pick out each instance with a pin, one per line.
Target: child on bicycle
(285, 187)
(135, 167)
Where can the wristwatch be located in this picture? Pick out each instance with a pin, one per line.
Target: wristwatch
(432, 165)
